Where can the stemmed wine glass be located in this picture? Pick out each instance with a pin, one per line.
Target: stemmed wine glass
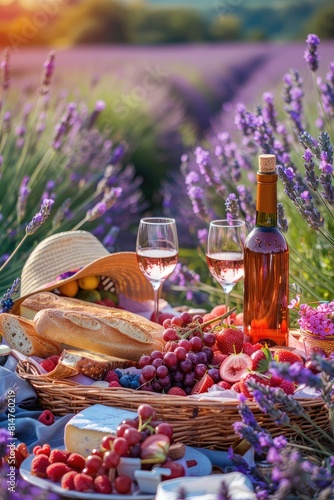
(225, 253)
(157, 251)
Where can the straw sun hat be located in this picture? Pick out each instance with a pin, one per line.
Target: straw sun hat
(81, 253)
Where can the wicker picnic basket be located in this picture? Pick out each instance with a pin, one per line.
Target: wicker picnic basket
(207, 424)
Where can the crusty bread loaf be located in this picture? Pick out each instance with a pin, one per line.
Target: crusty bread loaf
(92, 365)
(21, 335)
(125, 336)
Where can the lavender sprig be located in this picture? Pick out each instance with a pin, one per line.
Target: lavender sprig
(311, 55)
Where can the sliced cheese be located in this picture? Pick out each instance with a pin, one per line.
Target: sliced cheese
(85, 430)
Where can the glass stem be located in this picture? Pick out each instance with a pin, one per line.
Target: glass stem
(227, 304)
(156, 289)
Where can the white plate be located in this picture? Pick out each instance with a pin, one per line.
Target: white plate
(45, 484)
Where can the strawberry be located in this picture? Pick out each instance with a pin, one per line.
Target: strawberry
(249, 348)
(257, 377)
(284, 356)
(55, 471)
(230, 340)
(275, 381)
(287, 386)
(176, 391)
(261, 360)
(202, 385)
(48, 365)
(67, 480)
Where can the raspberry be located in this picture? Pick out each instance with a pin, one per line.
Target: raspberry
(55, 359)
(102, 484)
(43, 450)
(114, 383)
(48, 365)
(67, 481)
(39, 465)
(287, 386)
(46, 417)
(111, 376)
(176, 391)
(56, 471)
(36, 449)
(83, 482)
(76, 461)
(58, 456)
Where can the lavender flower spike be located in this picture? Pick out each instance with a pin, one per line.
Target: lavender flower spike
(40, 217)
(311, 55)
(47, 74)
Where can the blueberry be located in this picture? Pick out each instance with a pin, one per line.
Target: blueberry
(134, 384)
(124, 381)
(119, 373)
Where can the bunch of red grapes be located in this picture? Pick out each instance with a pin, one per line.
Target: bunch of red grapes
(187, 357)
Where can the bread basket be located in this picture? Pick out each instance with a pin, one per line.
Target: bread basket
(205, 423)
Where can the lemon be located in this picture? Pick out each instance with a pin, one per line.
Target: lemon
(69, 289)
(89, 283)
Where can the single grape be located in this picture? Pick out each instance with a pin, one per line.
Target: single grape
(135, 450)
(121, 428)
(156, 354)
(170, 359)
(181, 353)
(192, 357)
(107, 442)
(164, 428)
(186, 365)
(131, 421)
(148, 372)
(202, 358)
(177, 321)
(209, 353)
(169, 334)
(214, 374)
(132, 436)
(157, 362)
(196, 344)
(164, 381)
(189, 379)
(171, 345)
(93, 463)
(185, 343)
(111, 459)
(123, 484)
(200, 370)
(162, 371)
(146, 411)
(186, 318)
(198, 319)
(166, 323)
(209, 339)
(156, 386)
(177, 376)
(144, 360)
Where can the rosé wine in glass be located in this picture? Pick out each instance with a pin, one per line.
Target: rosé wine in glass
(157, 252)
(225, 253)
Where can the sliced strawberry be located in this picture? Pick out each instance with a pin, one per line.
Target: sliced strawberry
(234, 367)
(257, 377)
(230, 340)
(202, 385)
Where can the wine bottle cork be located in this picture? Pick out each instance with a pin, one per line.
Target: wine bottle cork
(267, 164)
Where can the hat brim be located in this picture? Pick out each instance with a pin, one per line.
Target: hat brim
(121, 267)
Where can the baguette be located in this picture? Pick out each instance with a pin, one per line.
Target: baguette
(47, 300)
(125, 337)
(21, 335)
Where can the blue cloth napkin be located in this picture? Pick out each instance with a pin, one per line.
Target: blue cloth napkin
(27, 410)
